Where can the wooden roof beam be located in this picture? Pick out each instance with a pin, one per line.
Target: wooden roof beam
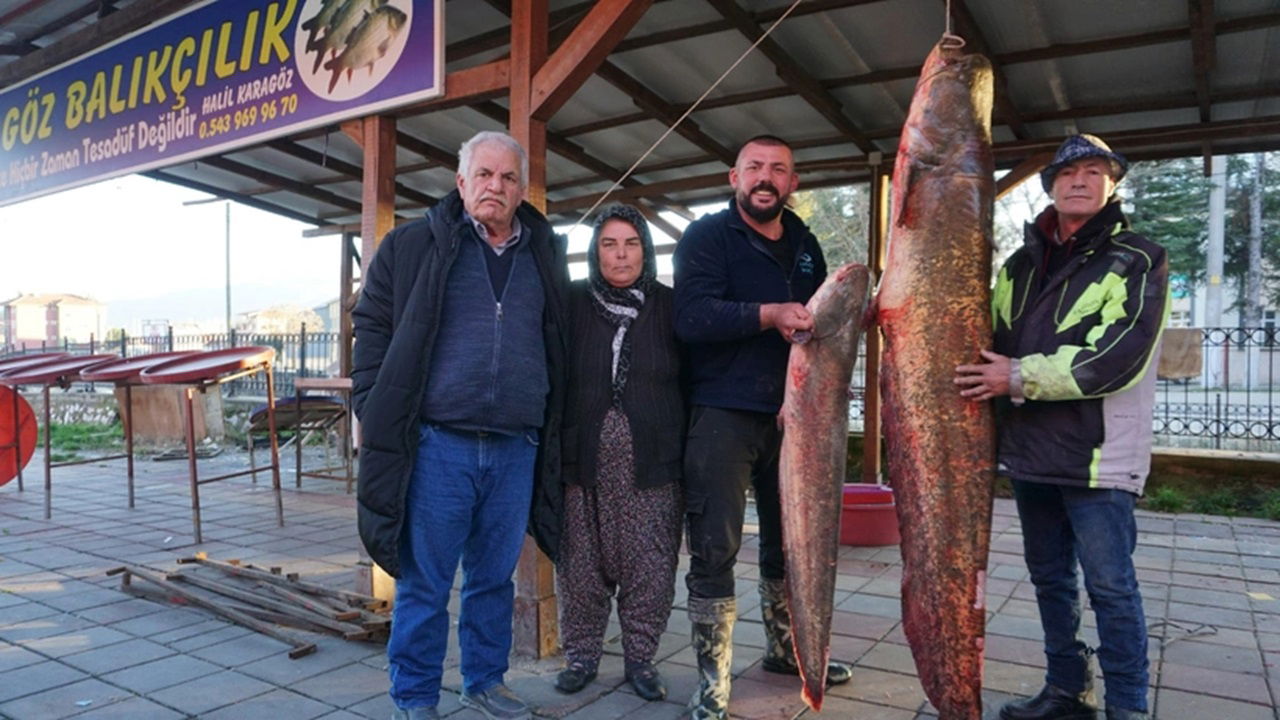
(761, 17)
(116, 25)
(346, 169)
(464, 87)
(696, 182)
(665, 112)
(790, 71)
(1225, 27)
(297, 187)
(241, 198)
(1023, 170)
(1052, 52)
(17, 49)
(578, 57)
(71, 18)
(559, 22)
(1174, 101)
(1203, 53)
(651, 214)
(968, 28)
(434, 153)
(579, 156)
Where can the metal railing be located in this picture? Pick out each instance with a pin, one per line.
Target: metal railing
(1233, 403)
(300, 354)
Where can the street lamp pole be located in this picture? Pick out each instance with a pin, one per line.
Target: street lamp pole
(227, 226)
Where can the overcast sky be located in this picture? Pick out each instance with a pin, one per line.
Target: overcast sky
(132, 238)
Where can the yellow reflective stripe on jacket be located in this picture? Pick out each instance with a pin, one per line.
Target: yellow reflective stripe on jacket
(1056, 376)
(1002, 300)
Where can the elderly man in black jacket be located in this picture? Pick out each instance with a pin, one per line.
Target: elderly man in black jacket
(458, 384)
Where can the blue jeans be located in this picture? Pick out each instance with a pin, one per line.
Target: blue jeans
(468, 499)
(1060, 525)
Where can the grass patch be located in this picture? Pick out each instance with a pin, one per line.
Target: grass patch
(1166, 499)
(74, 437)
(1271, 505)
(1222, 501)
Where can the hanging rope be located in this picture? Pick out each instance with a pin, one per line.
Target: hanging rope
(949, 39)
(618, 183)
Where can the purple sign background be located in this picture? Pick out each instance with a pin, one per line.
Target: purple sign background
(222, 75)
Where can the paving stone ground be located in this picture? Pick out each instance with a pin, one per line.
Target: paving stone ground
(73, 645)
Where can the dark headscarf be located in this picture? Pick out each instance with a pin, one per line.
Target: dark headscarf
(621, 306)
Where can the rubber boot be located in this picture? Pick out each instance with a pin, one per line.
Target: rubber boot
(712, 636)
(779, 651)
(1053, 703)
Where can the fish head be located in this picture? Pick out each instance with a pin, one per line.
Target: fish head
(393, 17)
(947, 133)
(957, 90)
(839, 303)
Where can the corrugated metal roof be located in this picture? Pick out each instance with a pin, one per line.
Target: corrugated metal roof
(1125, 70)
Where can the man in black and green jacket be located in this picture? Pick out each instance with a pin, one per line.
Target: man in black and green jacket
(1078, 313)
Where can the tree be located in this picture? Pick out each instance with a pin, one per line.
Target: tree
(1170, 200)
(838, 217)
(1246, 181)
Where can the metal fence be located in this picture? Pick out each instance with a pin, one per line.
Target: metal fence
(300, 354)
(1233, 403)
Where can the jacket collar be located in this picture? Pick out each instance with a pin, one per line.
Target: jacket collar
(450, 212)
(1107, 222)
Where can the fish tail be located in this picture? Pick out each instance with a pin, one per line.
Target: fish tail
(812, 694)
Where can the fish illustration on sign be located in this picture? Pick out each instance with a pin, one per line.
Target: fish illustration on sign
(320, 21)
(367, 43)
(340, 26)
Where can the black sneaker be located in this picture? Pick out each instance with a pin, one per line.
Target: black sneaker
(497, 703)
(1053, 703)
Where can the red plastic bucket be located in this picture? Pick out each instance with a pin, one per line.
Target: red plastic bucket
(868, 517)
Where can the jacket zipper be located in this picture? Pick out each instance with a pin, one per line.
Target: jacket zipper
(786, 277)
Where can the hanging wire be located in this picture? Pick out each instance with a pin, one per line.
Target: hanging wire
(949, 39)
(618, 183)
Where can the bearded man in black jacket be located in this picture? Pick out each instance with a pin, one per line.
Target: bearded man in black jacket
(742, 277)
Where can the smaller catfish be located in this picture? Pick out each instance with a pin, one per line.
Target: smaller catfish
(337, 33)
(815, 441)
(367, 43)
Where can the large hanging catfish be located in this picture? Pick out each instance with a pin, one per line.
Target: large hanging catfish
(934, 309)
(815, 442)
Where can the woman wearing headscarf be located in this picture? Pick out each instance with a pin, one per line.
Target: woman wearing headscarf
(623, 444)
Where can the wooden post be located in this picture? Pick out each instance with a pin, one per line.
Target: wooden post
(876, 232)
(537, 633)
(376, 135)
(346, 297)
